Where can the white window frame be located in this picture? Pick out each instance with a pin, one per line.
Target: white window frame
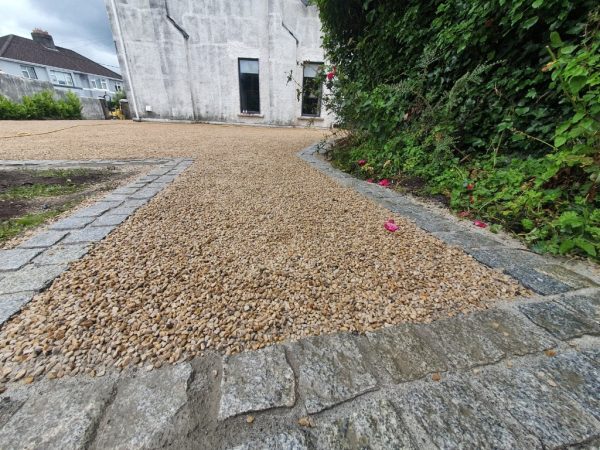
(93, 83)
(28, 72)
(104, 83)
(118, 87)
(62, 78)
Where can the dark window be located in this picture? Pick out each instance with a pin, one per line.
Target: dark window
(249, 91)
(311, 90)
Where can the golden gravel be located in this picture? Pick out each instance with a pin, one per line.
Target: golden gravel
(248, 247)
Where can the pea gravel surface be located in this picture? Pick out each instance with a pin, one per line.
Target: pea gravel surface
(248, 247)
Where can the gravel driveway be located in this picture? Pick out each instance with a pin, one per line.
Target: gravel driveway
(248, 247)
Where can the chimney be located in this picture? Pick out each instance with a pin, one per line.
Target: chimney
(43, 37)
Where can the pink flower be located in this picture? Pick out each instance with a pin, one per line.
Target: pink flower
(480, 224)
(385, 182)
(390, 225)
(370, 180)
(330, 75)
(362, 162)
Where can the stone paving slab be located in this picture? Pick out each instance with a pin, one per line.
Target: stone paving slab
(404, 354)
(88, 234)
(30, 278)
(147, 411)
(452, 414)
(280, 441)
(12, 303)
(371, 424)
(256, 381)
(330, 371)
(43, 240)
(545, 410)
(561, 322)
(587, 306)
(62, 418)
(61, 254)
(109, 220)
(14, 259)
(71, 223)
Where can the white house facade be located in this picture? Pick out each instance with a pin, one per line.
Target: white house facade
(39, 59)
(221, 60)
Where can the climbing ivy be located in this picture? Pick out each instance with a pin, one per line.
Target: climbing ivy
(494, 104)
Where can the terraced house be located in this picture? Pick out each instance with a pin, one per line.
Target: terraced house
(39, 58)
(221, 60)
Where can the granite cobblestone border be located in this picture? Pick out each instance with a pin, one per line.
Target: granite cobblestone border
(542, 274)
(507, 378)
(32, 266)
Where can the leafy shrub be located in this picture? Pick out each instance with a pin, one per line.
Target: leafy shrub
(41, 106)
(495, 104)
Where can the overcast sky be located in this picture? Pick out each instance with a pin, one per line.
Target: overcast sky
(79, 25)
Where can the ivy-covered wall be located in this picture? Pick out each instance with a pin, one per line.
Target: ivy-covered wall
(494, 104)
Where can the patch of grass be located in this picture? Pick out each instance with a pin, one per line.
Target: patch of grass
(39, 190)
(12, 227)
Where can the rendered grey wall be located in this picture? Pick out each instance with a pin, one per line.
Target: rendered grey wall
(197, 78)
(15, 88)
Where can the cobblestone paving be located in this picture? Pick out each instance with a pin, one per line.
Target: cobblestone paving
(525, 374)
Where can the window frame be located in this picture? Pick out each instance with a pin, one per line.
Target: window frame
(25, 71)
(240, 85)
(118, 87)
(93, 83)
(55, 80)
(104, 83)
(320, 98)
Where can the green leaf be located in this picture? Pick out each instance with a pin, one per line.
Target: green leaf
(559, 141)
(530, 22)
(567, 49)
(577, 83)
(566, 246)
(555, 39)
(537, 4)
(586, 246)
(528, 224)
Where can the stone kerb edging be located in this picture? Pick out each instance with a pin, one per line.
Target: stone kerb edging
(32, 266)
(542, 274)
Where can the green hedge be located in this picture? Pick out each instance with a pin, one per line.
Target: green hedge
(41, 106)
(495, 104)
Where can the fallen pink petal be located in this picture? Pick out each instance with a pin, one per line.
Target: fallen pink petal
(362, 162)
(385, 182)
(390, 226)
(480, 224)
(370, 180)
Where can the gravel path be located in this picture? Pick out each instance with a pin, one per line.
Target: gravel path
(248, 247)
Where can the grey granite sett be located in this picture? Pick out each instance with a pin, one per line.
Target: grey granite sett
(71, 223)
(147, 410)
(512, 332)
(166, 179)
(256, 381)
(96, 209)
(576, 376)
(125, 191)
(116, 198)
(63, 417)
(561, 322)
(462, 342)
(61, 254)
(123, 210)
(88, 234)
(16, 258)
(403, 353)
(587, 306)
(331, 370)
(453, 414)
(109, 219)
(45, 239)
(133, 203)
(467, 239)
(293, 440)
(30, 278)
(147, 192)
(536, 281)
(12, 303)
(544, 409)
(368, 424)
(566, 276)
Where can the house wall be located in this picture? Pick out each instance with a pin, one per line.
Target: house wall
(80, 80)
(197, 78)
(16, 87)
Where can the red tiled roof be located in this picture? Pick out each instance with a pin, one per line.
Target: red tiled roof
(27, 50)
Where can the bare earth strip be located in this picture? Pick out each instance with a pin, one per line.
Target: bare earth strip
(248, 247)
